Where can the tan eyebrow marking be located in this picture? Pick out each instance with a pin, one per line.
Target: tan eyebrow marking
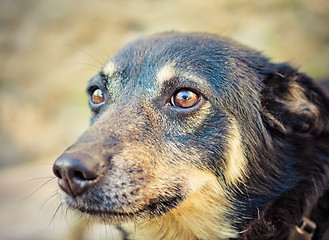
(165, 74)
(109, 69)
(168, 72)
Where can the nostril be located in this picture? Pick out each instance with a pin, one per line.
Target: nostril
(57, 173)
(84, 176)
(78, 176)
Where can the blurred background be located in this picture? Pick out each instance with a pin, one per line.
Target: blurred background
(49, 49)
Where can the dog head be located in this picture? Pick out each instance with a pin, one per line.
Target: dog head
(193, 127)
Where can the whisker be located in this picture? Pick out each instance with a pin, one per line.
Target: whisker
(50, 197)
(140, 229)
(124, 233)
(41, 164)
(52, 219)
(137, 226)
(89, 65)
(89, 228)
(131, 232)
(31, 194)
(86, 53)
(100, 231)
(160, 227)
(65, 214)
(104, 224)
(33, 179)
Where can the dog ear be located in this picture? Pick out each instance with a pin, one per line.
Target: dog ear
(293, 103)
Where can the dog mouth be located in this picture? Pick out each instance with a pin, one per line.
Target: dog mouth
(156, 207)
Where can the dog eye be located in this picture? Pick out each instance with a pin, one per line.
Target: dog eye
(97, 96)
(185, 99)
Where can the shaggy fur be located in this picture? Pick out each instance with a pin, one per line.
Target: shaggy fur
(247, 160)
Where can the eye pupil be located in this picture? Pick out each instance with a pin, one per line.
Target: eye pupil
(97, 96)
(185, 99)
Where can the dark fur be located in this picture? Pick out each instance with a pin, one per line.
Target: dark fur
(282, 116)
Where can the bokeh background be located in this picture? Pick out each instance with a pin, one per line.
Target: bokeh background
(49, 49)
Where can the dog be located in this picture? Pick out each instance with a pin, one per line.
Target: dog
(194, 136)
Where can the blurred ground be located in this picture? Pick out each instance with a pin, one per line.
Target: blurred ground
(49, 50)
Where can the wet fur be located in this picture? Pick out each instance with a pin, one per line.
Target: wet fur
(246, 163)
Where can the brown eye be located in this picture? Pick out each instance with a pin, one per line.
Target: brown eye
(185, 99)
(97, 96)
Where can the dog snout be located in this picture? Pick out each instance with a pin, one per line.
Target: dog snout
(76, 173)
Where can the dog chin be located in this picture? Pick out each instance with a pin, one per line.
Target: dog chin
(156, 208)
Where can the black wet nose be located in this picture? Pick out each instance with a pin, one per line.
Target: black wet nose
(75, 174)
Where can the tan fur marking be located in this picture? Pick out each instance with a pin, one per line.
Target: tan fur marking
(200, 216)
(236, 161)
(195, 121)
(296, 99)
(296, 92)
(165, 74)
(109, 69)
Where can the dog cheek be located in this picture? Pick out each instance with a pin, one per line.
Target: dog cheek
(138, 176)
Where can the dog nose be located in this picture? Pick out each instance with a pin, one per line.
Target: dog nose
(75, 174)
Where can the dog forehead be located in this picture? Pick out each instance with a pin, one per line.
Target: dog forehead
(149, 62)
(164, 48)
(162, 56)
